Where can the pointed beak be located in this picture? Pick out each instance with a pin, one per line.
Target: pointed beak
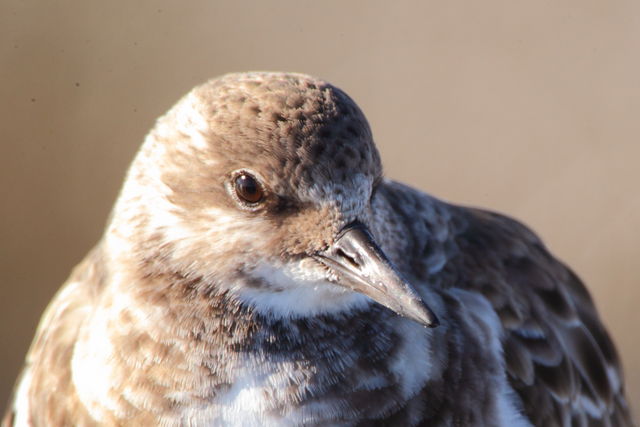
(360, 265)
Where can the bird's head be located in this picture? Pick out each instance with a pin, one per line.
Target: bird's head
(261, 184)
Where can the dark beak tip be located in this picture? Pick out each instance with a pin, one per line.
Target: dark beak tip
(424, 316)
(434, 322)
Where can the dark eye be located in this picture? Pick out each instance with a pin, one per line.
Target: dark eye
(248, 189)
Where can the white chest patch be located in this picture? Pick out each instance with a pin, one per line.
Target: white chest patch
(254, 397)
(259, 396)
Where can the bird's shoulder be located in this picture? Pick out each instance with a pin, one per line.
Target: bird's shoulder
(44, 393)
(558, 356)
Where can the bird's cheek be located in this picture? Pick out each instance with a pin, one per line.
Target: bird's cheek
(308, 232)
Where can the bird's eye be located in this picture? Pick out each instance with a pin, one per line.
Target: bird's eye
(248, 189)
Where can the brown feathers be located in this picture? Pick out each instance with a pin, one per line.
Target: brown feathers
(205, 306)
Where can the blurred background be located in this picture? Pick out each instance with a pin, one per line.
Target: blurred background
(531, 108)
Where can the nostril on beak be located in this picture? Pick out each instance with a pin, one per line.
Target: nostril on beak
(348, 257)
(359, 264)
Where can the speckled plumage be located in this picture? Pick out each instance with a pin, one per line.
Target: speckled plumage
(197, 309)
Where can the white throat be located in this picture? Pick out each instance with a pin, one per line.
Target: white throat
(295, 290)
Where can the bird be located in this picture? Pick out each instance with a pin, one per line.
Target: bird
(259, 269)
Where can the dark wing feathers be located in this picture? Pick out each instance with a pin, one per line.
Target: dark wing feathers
(559, 357)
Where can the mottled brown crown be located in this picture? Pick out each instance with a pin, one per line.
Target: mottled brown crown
(294, 125)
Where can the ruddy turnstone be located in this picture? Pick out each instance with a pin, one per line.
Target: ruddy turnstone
(258, 269)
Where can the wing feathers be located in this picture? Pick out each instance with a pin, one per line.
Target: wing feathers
(51, 395)
(558, 355)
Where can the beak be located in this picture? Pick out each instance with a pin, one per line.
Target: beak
(360, 265)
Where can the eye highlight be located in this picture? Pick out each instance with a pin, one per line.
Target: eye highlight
(247, 188)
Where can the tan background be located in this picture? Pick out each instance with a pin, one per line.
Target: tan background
(526, 107)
